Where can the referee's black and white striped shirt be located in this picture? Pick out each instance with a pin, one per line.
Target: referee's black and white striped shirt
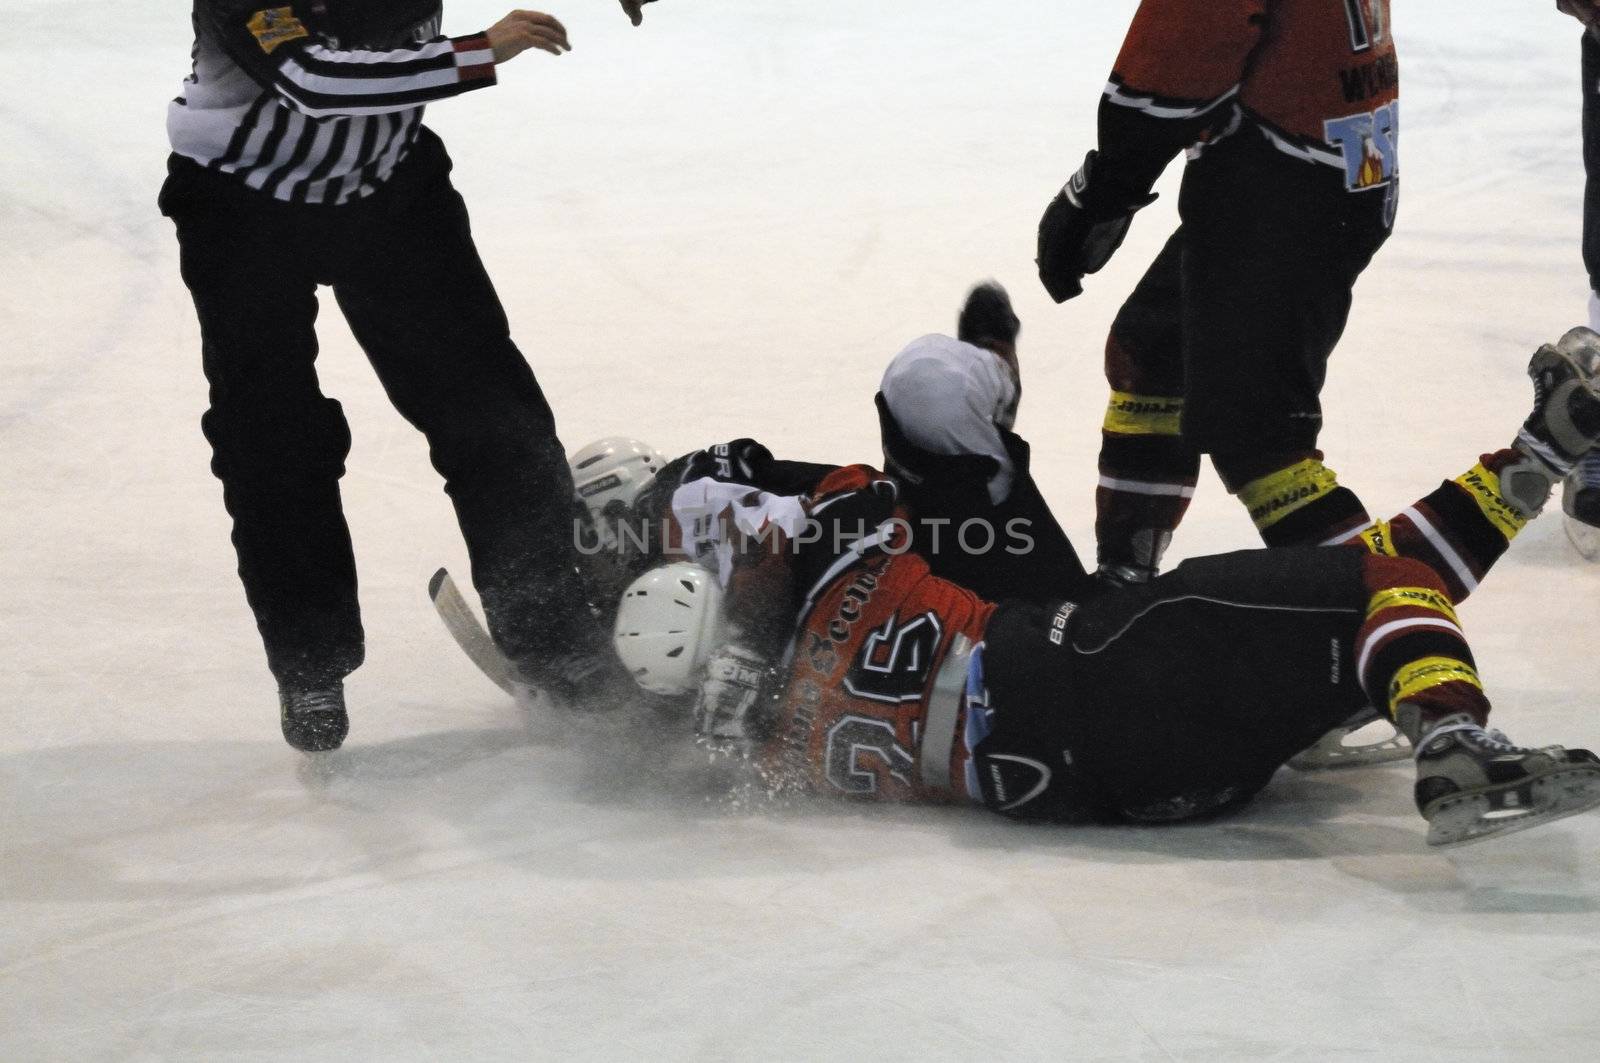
(277, 101)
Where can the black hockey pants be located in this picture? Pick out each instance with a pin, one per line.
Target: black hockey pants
(1175, 698)
(405, 273)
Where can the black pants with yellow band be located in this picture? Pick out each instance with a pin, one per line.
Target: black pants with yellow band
(1223, 347)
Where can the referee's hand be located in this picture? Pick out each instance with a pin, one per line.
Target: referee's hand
(521, 30)
(634, 9)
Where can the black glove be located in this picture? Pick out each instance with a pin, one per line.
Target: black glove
(1081, 229)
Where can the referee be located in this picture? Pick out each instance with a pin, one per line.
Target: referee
(300, 159)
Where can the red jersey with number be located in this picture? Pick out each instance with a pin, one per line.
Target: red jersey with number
(854, 712)
(872, 631)
(1318, 78)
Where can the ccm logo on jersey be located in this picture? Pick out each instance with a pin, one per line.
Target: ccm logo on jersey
(276, 26)
(1370, 145)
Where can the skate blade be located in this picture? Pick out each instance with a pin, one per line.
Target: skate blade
(1462, 819)
(1332, 751)
(1585, 538)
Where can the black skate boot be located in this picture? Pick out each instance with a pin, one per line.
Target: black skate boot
(314, 719)
(987, 317)
(1565, 422)
(1472, 783)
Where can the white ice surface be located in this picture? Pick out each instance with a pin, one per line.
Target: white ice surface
(725, 223)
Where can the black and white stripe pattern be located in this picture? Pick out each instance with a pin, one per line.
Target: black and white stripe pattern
(315, 124)
(1158, 107)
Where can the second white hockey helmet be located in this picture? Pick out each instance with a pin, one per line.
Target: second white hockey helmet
(613, 470)
(667, 624)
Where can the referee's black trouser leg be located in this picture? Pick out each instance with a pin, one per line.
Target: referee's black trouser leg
(421, 305)
(278, 445)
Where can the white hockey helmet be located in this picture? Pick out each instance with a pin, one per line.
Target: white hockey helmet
(613, 470)
(666, 626)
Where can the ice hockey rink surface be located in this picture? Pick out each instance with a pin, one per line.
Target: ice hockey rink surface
(724, 224)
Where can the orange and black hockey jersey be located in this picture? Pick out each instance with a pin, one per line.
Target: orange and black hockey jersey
(1319, 79)
(872, 631)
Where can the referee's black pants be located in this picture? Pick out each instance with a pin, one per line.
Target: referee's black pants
(405, 273)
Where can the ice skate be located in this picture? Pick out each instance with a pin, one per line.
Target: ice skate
(1580, 501)
(1473, 784)
(1335, 750)
(314, 720)
(1565, 422)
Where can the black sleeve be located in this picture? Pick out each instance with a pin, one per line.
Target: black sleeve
(289, 50)
(746, 462)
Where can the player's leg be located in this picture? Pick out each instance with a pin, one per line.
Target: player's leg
(1465, 525)
(1267, 285)
(1174, 698)
(1184, 696)
(278, 445)
(422, 306)
(1148, 470)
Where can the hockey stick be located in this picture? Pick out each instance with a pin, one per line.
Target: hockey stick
(469, 632)
(1584, 537)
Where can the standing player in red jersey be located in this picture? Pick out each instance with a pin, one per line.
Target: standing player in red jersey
(1289, 111)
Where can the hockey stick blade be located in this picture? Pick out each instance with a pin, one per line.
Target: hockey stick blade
(469, 632)
(1585, 537)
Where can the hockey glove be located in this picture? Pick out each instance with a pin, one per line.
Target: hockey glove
(729, 704)
(1081, 229)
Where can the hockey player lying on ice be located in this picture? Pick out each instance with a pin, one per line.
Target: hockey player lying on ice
(812, 638)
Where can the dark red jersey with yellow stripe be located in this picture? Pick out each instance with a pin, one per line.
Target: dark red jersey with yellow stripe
(1318, 78)
(872, 633)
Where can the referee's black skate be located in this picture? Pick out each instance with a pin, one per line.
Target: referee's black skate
(1473, 784)
(314, 719)
(1565, 422)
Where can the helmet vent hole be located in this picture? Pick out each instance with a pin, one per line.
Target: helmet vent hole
(676, 652)
(686, 585)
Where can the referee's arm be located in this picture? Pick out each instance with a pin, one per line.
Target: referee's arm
(287, 53)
